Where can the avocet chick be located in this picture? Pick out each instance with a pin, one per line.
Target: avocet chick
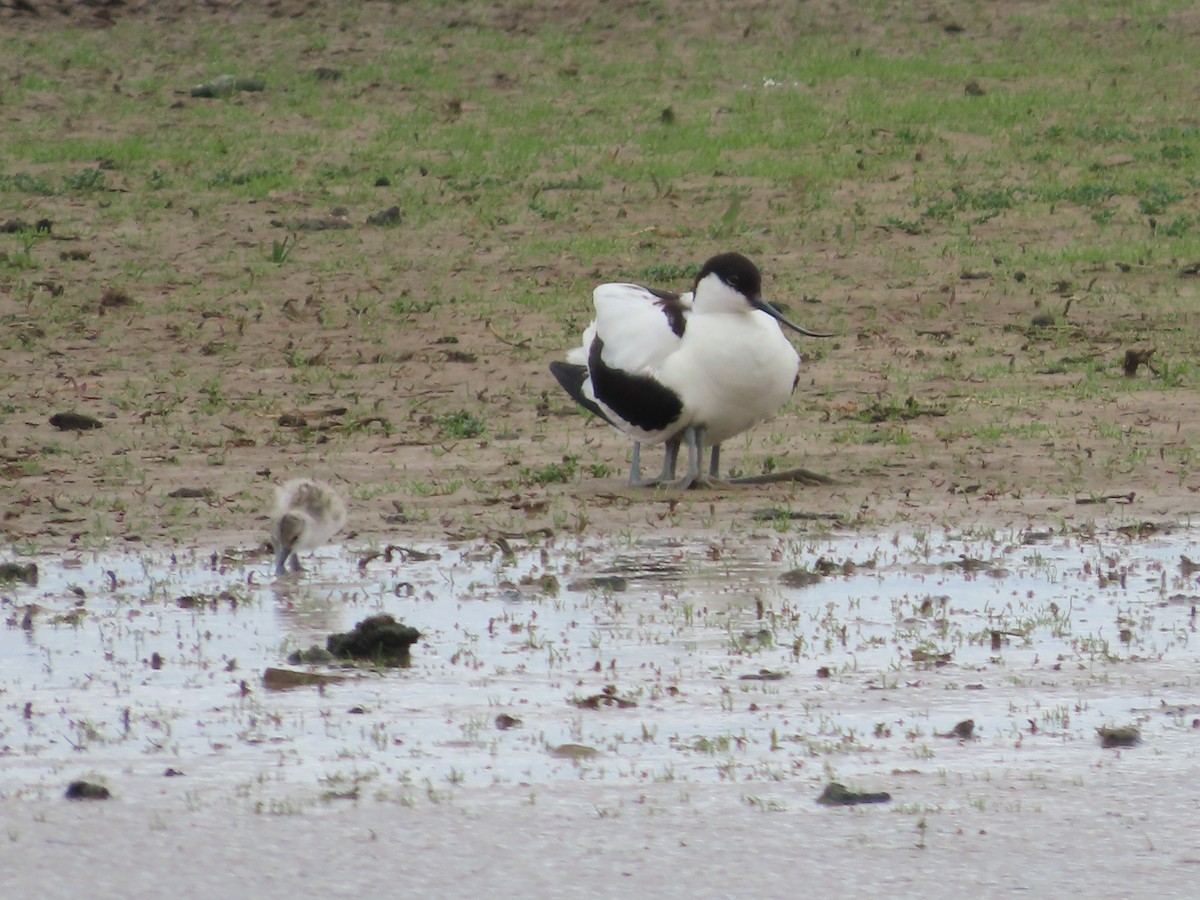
(307, 514)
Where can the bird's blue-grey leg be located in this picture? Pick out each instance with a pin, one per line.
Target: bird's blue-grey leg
(294, 563)
(281, 557)
(714, 468)
(666, 476)
(670, 458)
(694, 438)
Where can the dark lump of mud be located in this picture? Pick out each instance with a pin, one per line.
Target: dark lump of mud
(286, 679)
(1119, 736)
(73, 421)
(836, 794)
(87, 790)
(379, 639)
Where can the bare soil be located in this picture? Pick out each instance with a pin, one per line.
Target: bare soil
(373, 422)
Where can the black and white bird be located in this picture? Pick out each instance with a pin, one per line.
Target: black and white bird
(307, 514)
(695, 368)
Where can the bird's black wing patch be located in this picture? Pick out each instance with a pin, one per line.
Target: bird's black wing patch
(572, 377)
(637, 399)
(671, 305)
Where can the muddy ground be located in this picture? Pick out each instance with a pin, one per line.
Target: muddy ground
(208, 399)
(959, 395)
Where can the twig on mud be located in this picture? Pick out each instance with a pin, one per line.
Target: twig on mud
(424, 393)
(524, 342)
(524, 535)
(1104, 498)
(621, 501)
(388, 553)
(795, 476)
(771, 514)
(394, 444)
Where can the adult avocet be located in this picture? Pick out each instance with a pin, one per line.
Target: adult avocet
(307, 514)
(694, 368)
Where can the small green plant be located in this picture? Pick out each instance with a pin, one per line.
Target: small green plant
(23, 259)
(552, 473)
(403, 306)
(1178, 227)
(727, 225)
(461, 425)
(24, 183)
(1157, 198)
(86, 180)
(281, 251)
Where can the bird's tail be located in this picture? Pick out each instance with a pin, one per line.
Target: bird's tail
(573, 377)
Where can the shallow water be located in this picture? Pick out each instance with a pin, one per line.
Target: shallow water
(731, 674)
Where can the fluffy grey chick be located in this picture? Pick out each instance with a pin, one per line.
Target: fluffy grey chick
(307, 514)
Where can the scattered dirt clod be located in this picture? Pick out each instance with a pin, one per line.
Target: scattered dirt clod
(114, 298)
(72, 421)
(87, 790)
(1119, 736)
(799, 578)
(285, 679)
(190, 493)
(963, 731)
(574, 751)
(1135, 358)
(26, 572)
(836, 794)
(380, 639)
(607, 697)
(386, 217)
(614, 583)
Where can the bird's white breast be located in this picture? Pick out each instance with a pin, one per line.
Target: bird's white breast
(731, 371)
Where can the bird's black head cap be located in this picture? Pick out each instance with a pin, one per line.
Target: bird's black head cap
(736, 271)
